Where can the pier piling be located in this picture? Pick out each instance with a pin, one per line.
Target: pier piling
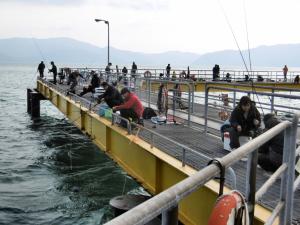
(35, 104)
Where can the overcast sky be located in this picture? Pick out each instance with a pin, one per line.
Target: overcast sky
(155, 25)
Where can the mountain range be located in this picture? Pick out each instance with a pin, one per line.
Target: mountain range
(71, 51)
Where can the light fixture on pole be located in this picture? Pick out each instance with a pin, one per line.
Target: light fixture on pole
(106, 22)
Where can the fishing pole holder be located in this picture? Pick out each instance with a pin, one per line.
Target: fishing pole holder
(222, 173)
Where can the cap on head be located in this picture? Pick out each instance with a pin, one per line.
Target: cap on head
(125, 90)
(52, 62)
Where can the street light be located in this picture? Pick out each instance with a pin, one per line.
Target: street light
(107, 22)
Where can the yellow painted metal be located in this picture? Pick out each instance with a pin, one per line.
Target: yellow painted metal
(151, 167)
(200, 86)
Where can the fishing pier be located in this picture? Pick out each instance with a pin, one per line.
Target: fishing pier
(171, 161)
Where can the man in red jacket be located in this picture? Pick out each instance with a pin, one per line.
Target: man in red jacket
(131, 108)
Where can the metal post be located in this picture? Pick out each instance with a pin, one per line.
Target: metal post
(189, 108)
(152, 139)
(183, 157)
(251, 183)
(288, 186)
(149, 92)
(108, 60)
(206, 108)
(234, 99)
(193, 97)
(28, 100)
(35, 105)
(272, 101)
(170, 217)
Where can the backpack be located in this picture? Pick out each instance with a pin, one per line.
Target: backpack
(148, 113)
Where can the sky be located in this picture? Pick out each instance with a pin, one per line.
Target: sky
(154, 26)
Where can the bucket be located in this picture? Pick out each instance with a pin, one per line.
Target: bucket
(227, 142)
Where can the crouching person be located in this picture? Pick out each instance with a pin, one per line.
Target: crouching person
(111, 96)
(132, 107)
(244, 121)
(270, 154)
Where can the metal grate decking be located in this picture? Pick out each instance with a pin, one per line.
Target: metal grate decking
(211, 146)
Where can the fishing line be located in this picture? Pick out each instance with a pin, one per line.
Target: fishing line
(250, 61)
(233, 34)
(40, 51)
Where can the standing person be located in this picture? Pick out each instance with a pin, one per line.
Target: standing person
(54, 71)
(162, 100)
(41, 68)
(244, 119)
(133, 69)
(285, 70)
(168, 70)
(188, 73)
(131, 108)
(108, 69)
(124, 71)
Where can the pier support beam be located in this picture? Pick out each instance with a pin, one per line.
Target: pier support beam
(170, 217)
(29, 100)
(35, 105)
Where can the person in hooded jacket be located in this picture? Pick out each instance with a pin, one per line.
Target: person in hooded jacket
(111, 96)
(270, 154)
(95, 82)
(244, 120)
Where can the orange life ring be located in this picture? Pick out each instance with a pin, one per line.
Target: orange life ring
(226, 208)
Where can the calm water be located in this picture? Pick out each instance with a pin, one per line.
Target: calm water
(50, 173)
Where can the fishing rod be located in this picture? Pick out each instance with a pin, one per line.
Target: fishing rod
(241, 54)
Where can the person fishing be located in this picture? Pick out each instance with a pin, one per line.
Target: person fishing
(244, 120)
(54, 71)
(41, 68)
(95, 82)
(111, 96)
(270, 154)
(132, 107)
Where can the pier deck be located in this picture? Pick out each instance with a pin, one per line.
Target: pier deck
(208, 145)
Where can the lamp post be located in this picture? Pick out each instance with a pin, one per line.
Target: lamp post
(106, 22)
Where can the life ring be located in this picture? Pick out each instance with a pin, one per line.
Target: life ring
(147, 74)
(227, 208)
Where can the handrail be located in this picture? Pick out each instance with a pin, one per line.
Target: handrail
(169, 198)
(241, 91)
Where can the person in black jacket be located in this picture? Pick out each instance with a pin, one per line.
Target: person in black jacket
(41, 69)
(54, 71)
(168, 70)
(111, 96)
(95, 82)
(245, 119)
(270, 154)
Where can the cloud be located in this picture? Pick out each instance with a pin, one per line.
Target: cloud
(46, 2)
(126, 4)
(138, 4)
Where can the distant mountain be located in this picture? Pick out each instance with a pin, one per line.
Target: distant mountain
(70, 51)
(263, 56)
(67, 50)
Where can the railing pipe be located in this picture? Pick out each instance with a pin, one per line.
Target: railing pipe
(148, 210)
(263, 189)
(251, 183)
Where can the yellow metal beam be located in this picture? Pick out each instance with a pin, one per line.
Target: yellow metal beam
(200, 86)
(152, 168)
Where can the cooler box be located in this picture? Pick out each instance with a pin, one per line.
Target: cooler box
(243, 140)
